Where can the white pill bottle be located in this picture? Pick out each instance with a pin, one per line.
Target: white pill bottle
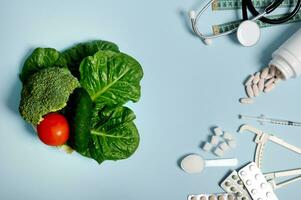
(287, 58)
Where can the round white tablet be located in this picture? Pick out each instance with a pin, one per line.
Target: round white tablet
(248, 33)
(193, 164)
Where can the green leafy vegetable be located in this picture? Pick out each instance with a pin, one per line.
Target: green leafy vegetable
(79, 114)
(46, 91)
(101, 128)
(111, 78)
(76, 54)
(39, 59)
(114, 136)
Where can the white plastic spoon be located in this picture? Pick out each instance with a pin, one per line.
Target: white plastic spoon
(194, 163)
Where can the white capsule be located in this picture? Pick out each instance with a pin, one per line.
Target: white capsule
(269, 76)
(249, 80)
(218, 152)
(261, 85)
(269, 82)
(249, 91)
(269, 88)
(256, 78)
(264, 73)
(255, 90)
(217, 131)
(246, 100)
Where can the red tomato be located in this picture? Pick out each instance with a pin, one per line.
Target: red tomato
(53, 130)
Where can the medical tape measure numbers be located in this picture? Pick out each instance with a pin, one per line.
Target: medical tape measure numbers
(221, 28)
(236, 4)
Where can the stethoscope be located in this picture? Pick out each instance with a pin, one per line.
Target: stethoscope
(248, 31)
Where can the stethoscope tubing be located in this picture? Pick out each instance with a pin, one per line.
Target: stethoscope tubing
(204, 37)
(247, 4)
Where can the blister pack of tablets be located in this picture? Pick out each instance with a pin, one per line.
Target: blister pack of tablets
(256, 184)
(221, 196)
(234, 185)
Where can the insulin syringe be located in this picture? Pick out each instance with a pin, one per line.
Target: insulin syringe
(262, 119)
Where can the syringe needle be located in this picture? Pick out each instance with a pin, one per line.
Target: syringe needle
(262, 119)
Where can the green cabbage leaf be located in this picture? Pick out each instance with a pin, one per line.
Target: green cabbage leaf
(111, 78)
(41, 58)
(114, 135)
(77, 53)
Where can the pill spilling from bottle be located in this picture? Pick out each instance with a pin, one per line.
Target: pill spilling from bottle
(263, 81)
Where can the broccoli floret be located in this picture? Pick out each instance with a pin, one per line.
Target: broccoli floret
(46, 91)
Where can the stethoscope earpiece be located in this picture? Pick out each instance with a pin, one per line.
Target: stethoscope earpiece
(192, 14)
(207, 41)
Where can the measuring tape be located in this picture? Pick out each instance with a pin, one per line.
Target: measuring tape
(236, 4)
(221, 28)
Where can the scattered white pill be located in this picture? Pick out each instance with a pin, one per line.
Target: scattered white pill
(231, 143)
(264, 73)
(249, 91)
(192, 164)
(249, 80)
(269, 82)
(227, 136)
(269, 88)
(255, 90)
(269, 76)
(256, 78)
(217, 131)
(207, 146)
(214, 140)
(224, 146)
(246, 100)
(219, 152)
(262, 81)
(261, 85)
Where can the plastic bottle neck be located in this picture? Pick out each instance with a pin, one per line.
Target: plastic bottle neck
(283, 67)
(287, 63)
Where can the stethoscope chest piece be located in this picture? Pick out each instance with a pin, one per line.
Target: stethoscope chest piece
(248, 33)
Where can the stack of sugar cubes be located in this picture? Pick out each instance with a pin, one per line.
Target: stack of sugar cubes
(220, 142)
(264, 81)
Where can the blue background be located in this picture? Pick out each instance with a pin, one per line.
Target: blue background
(187, 88)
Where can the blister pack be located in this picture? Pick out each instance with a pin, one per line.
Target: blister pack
(234, 185)
(256, 184)
(221, 196)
